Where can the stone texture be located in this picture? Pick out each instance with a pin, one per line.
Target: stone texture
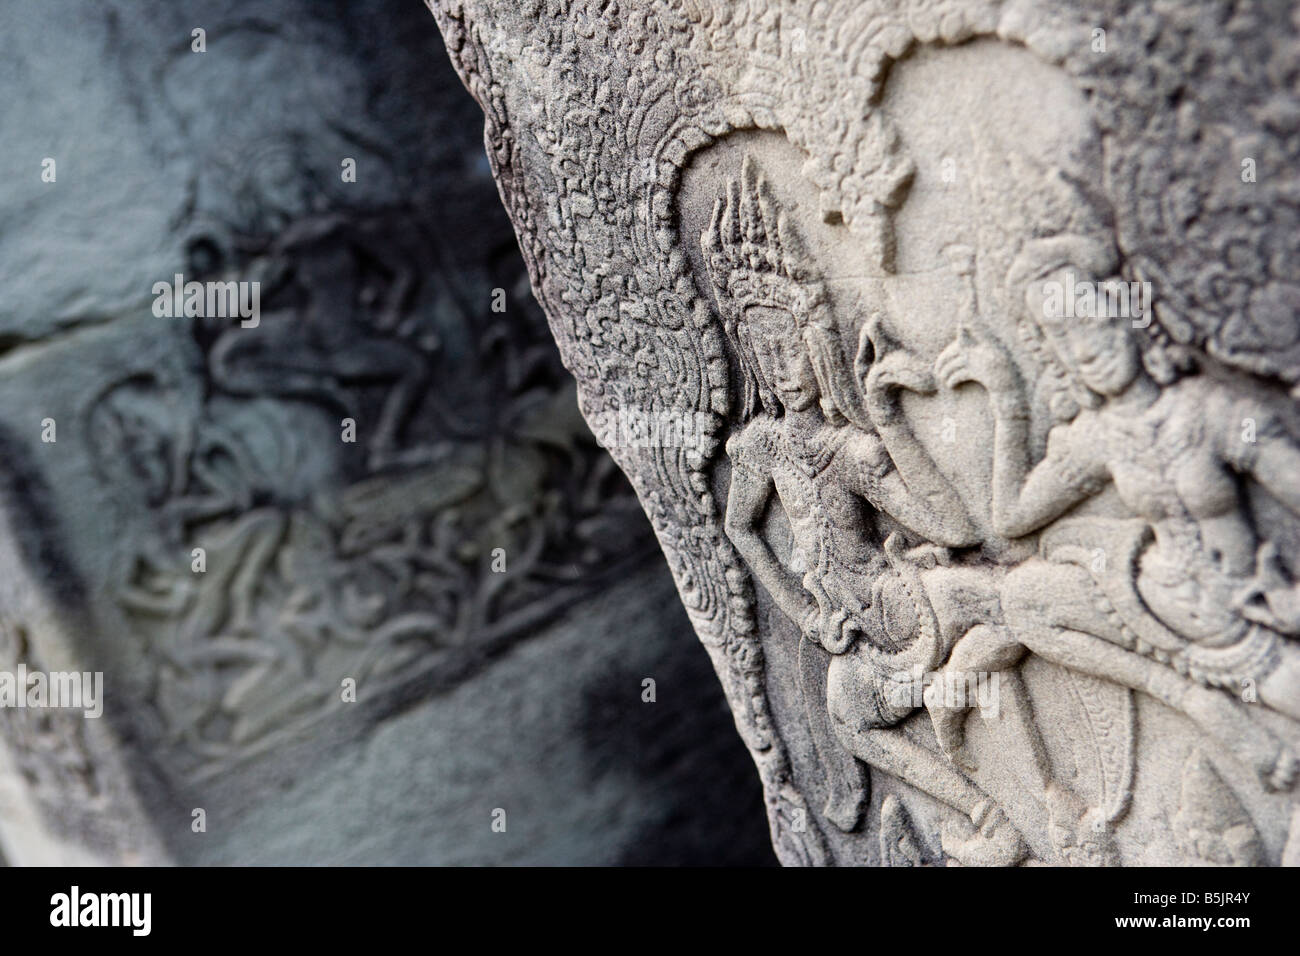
(863, 262)
(477, 688)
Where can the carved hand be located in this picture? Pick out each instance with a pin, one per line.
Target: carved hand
(883, 368)
(830, 627)
(967, 359)
(809, 621)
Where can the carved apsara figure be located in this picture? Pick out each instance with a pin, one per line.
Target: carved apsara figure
(886, 613)
(1170, 592)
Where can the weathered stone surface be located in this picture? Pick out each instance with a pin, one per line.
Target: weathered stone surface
(473, 561)
(870, 257)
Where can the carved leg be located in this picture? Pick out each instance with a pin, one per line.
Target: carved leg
(993, 841)
(1052, 609)
(851, 685)
(275, 362)
(370, 358)
(268, 534)
(1216, 713)
(990, 648)
(846, 777)
(983, 649)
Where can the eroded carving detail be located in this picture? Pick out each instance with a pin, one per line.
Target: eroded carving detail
(381, 571)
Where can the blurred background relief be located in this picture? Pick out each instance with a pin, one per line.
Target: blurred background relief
(324, 559)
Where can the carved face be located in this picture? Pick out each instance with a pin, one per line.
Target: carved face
(782, 356)
(1099, 351)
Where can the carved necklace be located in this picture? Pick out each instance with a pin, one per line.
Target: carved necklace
(812, 457)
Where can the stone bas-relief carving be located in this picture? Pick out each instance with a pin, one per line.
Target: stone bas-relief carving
(202, 532)
(989, 577)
